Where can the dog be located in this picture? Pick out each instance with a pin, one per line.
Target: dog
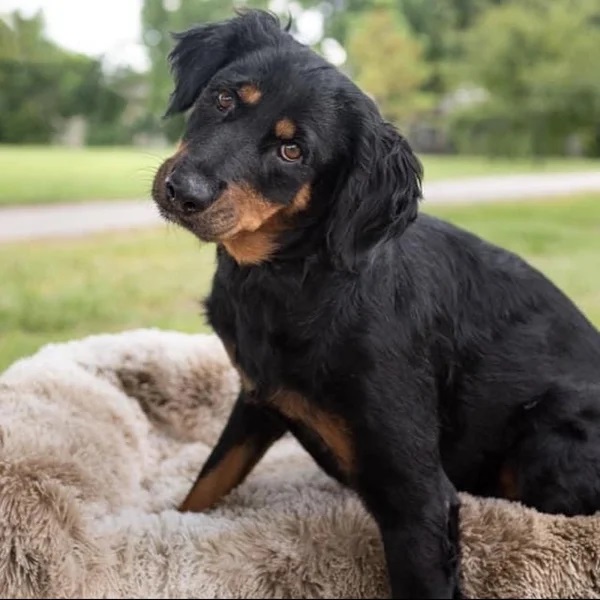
(410, 358)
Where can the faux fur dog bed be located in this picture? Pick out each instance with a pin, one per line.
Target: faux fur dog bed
(101, 438)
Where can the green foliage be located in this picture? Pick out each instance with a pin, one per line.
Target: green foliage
(392, 69)
(24, 38)
(436, 23)
(42, 85)
(537, 61)
(26, 106)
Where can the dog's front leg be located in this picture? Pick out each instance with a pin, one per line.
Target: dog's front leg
(250, 431)
(416, 508)
(421, 548)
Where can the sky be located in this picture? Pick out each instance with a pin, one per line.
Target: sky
(111, 28)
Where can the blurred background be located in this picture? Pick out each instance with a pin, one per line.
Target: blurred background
(485, 90)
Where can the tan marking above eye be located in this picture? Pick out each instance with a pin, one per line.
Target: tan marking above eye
(285, 129)
(249, 94)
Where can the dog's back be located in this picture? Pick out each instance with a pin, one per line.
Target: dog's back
(517, 365)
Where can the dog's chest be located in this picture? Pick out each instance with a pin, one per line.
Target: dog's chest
(281, 342)
(276, 337)
(268, 344)
(277, 369)
(293, 326)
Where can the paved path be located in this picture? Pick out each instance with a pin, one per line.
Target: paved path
(72, 220)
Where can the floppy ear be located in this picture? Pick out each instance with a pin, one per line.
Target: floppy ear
(379, 197)
(201, 51)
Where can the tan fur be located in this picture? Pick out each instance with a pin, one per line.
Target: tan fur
(330, 428)
(300, 202)
(254, 239)
(101, 438)
(285, 129)
(253, 209)
(248, 248)
(226, 475)
(250, 94)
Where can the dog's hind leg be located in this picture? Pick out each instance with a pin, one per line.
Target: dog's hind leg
(555, 464)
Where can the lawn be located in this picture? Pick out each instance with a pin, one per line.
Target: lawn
(452, 167)
(41, 175)
(54, 291)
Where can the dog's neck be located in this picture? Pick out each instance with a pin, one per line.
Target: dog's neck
(295, 237)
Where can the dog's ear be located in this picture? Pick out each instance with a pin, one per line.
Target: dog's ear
(203, 50)
(379, 195)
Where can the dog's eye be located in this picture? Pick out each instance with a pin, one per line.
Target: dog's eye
(225, 101)
(290, 152)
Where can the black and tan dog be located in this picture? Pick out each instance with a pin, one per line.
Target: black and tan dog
(409, 357)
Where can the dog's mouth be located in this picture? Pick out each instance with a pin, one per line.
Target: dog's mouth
(239, 208)
(216, 223)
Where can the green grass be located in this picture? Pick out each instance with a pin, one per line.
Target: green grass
(43, 175)
(452, 167)
(54, 291)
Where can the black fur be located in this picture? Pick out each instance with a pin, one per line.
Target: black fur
(451, 361)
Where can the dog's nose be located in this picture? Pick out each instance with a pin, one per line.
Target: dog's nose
(189, 190)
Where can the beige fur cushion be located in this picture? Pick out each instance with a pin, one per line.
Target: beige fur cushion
(101, 438)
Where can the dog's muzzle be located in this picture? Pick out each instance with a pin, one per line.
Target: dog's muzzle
(188, 191)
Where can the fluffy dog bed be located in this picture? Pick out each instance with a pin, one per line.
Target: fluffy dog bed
(101, 438)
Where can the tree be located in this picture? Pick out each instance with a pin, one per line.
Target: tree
(24, 38)
(42, 85)
(156, 24)
(386, 61)
(437, 25)
(537, 62)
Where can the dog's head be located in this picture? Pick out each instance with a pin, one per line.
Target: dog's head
(279, 145)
